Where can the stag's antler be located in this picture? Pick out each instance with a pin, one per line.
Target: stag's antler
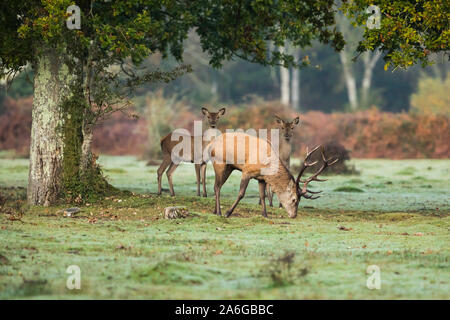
(303, 192)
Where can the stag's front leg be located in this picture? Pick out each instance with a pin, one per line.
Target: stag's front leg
(262, 197)
(269, 195)
(288, 166)
(244, 184)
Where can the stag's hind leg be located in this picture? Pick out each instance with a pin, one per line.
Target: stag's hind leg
(244, 184)
(269, 195)
(166, 162)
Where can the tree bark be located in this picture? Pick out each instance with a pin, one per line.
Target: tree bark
(369, 60)
(87, 127)
(284, 83)
(273, 70)
(86, 148)
(51, 87)
(295, 90)
(350, 81)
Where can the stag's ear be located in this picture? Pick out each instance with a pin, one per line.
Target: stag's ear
(278, 120)
(205, 111)
(221, 112)
(296, 121)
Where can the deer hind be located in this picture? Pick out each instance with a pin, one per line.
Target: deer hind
(280, 180)
(286, 132)
(167, 146)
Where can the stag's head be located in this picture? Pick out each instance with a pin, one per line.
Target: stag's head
(289, 199)
(213, 117)
(286, 127)
(298, 189)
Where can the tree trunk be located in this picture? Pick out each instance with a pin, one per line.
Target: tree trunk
(350, 81)
(369, 60)
(284, 83)
(86, 148)
(295, 90)
(87, 127)
(273, 70)
(51, 88)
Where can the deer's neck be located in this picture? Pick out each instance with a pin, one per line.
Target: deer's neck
(285, 149)
(281, 181)
(206, 129)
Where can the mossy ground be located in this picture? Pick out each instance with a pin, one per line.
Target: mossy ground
(125, 248)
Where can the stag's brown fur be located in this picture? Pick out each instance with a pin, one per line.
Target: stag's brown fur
(241, 155)
(281, 181)
(167, 145)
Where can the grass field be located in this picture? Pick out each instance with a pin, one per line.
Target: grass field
(395, 215)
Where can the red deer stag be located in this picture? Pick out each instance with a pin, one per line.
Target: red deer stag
(167, 145)
(225, 159)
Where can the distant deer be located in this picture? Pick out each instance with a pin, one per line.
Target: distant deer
(286, 132)
(167, 145)
(280, 180)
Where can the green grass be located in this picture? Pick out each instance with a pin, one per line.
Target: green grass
(114, 171)
(348, 189)
(126, 249)
(408, 171)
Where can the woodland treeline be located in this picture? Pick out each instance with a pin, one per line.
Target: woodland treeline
(406, 114)
(368, 133)
(322, 86)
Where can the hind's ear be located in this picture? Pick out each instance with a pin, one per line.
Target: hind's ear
(278, 119)
(296, 121)
(221, 112)
(205, 111)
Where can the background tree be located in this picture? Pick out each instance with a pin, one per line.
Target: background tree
(410, 31)
(290, 78)
(356, 98)
(285, 87)
(295, 83)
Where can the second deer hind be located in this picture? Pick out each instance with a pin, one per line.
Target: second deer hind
(167, 146)
(285, 147)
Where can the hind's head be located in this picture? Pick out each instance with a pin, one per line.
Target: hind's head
(287, 127)
(213, 117)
